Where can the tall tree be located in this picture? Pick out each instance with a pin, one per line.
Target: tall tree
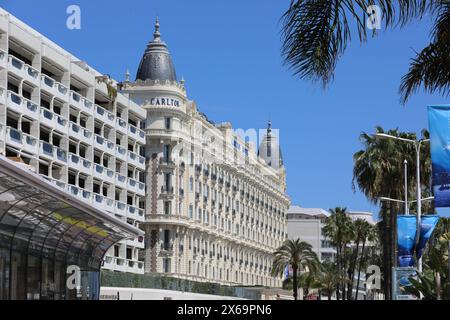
(296, 254)
(316, 33)
(378, 172)
(338, 229)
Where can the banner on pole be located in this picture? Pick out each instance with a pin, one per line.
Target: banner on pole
(407, 237)
(438, 121)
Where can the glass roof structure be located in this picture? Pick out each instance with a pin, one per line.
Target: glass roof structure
(41, 223)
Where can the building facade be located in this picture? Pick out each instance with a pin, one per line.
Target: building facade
(68, 123)
(215, 204)
(307, 224)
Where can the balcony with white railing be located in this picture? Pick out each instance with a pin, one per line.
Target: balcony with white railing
(137, 242)
(23, 70)
(80, 102)
(104, 173)
(135, 266)
(136, 187)
(103, 203)
(54, 88)
(135, 213)
(136, 160)
(22, 105)
(21, 141)
(78, 132)
(121, 153)
(58, 183)
(121, 181)
(121, 125)
(80, 193)
(104, 144)
(52, 152)
(121, 208)
(3, 59)
(78, 163)
(53, 120)
(136, 134)
(2, 95)
(105, 116)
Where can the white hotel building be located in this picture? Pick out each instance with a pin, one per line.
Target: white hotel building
(215, 205)
(57, 116)
(212, 204)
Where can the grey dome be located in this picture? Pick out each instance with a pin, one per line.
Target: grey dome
(156, 64)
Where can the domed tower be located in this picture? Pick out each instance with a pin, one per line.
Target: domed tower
(156, 64)
(269, 151)
(157, 90)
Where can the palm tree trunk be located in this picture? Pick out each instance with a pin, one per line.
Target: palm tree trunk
(438, 286)
(344, 273)
(295, 282)
(386, 255)
(352, 270)
(338, 257)
(361, 261)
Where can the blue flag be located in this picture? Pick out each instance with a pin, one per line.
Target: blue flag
(427, 225)
(439, 120)
(406, 235)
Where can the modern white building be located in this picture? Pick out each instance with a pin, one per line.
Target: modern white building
(307, 224)
(215, 203)
(67, 122)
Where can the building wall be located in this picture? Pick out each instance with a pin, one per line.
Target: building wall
(57, 116)
(216, 211)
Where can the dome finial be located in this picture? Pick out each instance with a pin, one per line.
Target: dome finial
(269, 126)
(156, 34)
(127, 76)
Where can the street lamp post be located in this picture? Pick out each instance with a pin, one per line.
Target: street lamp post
(417, 145)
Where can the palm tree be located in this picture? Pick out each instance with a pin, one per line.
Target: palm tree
(367, 234)
(316, 33)
(378, 172)
(329, 278)
(296, 254)
(338, 229)
(359, 232)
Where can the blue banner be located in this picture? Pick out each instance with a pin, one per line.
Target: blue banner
(427, 225)
(406, 235)
(439, 119)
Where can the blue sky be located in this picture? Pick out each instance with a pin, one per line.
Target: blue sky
(229, 54)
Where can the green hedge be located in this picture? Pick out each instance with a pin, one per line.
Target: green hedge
(129, 280)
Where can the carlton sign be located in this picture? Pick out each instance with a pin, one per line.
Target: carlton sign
(169, 102)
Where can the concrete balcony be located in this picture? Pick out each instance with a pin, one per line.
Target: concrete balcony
(136, 134)
(121, 208)
(53, 120)
(21, 141)
(22, 105)
(120, 265)
(54, 88)
(80, 102)
(80, 164)
(23, 71)
(2, 96)
(137, 242)
(51, 152)
(59, 184)
(3, 59)
(105, 116)
(103, 144)
(108, 263)
(121, 153)
(136, 187)
(135, 213)
(136, 160)
(80, 133)
(121, 126)
(103, 203)
(121, 181)
(80, 193)
(135, 266)
(104, 173)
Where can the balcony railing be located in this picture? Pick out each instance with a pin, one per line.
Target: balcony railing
(121, 152)
(54, 87)
(136, 159)
(20, 140)
(104, 144)
(52, 151)
(105, 115)
(53, 120)
(24, 70)
(121, 125)
(22, 105)
(80, 163)
(79, 132)
(105, 173)
(136, 133)
(80, 102)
